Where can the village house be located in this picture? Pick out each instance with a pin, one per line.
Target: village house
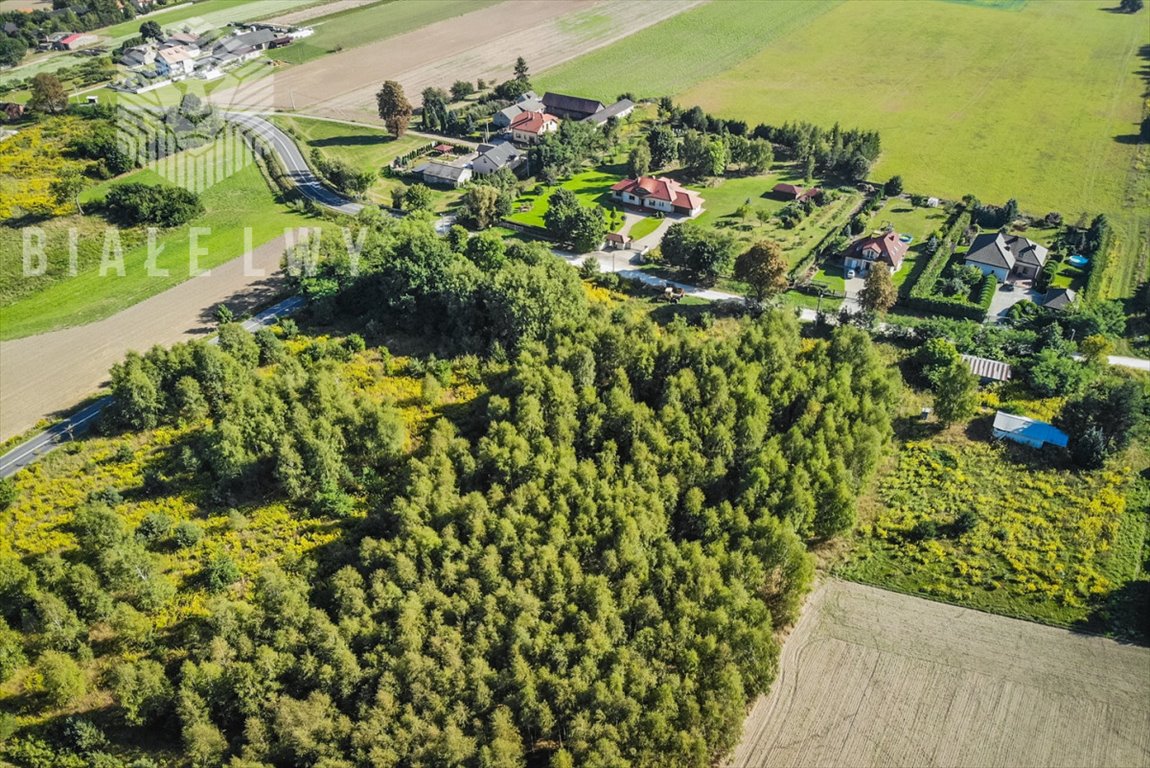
(138, 56)
(796, 193)
(493, 157)
(530, 127)
(443, 174)
(616, 241)
(528, 102)
(76, 41)
(1031, 432)
(879, 248)
(1006, 256)
(658, 194)
(176, 61)
(619, 110)
(570, 107)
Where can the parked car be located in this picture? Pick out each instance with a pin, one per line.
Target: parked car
(850, 274)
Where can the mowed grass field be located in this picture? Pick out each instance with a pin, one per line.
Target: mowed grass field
(378, 21)
(967, 98)
(1038, 101)
(240, 200)
(688, 48)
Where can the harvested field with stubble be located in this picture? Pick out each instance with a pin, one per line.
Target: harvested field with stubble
(875, 678)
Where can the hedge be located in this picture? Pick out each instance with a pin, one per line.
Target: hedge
(955, 307)
(1095, 281)
(923, 287)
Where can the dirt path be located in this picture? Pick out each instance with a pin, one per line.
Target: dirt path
(875, 678)
(481, 44)
(41, 375)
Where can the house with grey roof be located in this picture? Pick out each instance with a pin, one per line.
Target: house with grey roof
(1059, 298)
(505, 116)
(443, 174)
(570, 107)
(493, 157)
(619, 110)
(1006, 256)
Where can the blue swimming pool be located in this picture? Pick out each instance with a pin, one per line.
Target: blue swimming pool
(1078, 260)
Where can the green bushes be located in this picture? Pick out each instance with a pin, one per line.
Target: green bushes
(135, 203)
(956, 306)
(947, 239)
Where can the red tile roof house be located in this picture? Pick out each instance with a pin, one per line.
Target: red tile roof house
(880, 248)
(792, 192)
(528, 127)
(658, 194)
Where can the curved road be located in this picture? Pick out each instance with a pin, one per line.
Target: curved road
(293, 162)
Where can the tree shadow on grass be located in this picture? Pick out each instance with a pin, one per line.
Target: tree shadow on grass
(353, 141)
(1123, 614)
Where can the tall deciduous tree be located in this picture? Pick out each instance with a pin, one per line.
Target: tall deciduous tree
(955, 393)
(764, 268)
(48, 94)
(639, 161)
(878, 293)
(663, 145)
(394, 108)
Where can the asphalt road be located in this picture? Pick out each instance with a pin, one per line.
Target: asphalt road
(294, 163)
(78, 423)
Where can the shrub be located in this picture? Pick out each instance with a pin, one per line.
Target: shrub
(58, 678)
(134, 204)
(187, 534)
(154, 528)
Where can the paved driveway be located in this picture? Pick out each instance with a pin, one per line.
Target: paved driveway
(1005, 299)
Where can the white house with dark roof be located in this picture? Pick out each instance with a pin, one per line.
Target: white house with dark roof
(1006, 256)
(493, 157)
(444, 174)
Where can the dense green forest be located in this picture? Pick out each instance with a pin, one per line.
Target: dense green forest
(583, 562)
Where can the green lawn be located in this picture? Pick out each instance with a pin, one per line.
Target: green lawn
(996, 528)
(374, 22)
(644, 227)
(591, 187)
(239, 201)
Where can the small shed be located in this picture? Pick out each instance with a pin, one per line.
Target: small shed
(617, 240)
(988, 370)
(1019, 429)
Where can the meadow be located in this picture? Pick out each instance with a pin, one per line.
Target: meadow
(592, 188)
(1002, 530)
(688, 48)
(379, 21)
(238, 201)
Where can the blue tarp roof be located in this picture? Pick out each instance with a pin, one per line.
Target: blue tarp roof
(1029, 430)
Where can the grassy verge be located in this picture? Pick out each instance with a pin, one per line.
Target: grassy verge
(239, 201)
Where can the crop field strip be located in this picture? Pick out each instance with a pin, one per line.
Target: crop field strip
(870, 677)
